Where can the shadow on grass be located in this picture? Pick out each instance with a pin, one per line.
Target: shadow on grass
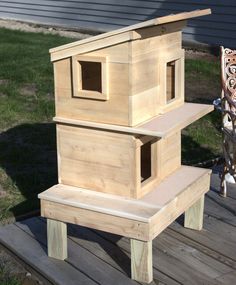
(28, 156)
(193, 153)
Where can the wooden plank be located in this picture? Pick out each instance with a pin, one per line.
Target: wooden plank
(142, 209)
(117, 53)
(160, 126)
(31, 252)
(96, 220)
(90, 45)
(141, 261)
(185, 264)
(175, 207)
(215, 234)
(201, 267)
(57, 239)
(193, 218)
(176, 119)
(114, 110)
(169, 154)
(108, 251)
(210, 251)
(103, 40)
(219, 211)
(94, 243)
(82, 259)
(141, 225)
(110, 127)
(98, 202)
(101, 161)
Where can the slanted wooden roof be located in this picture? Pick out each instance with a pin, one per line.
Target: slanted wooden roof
(120, 35)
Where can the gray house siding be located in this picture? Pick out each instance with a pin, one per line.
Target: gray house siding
(106, 15)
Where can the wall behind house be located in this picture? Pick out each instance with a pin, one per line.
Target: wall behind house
(106, 15)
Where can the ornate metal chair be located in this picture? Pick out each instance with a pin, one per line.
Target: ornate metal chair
(227, 105)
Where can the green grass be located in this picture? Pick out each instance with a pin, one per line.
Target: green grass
(27, 139)
(203, 69)
(201, 141)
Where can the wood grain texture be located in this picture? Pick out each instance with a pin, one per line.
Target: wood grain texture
(141, 219)
(112, 111)
(194, 215)
(28, 248)
(180, 255)
(98, 160)
(120, 35)
(95, 220)
(141, 261)
(160, 126)
(57, 239)
(185, 199)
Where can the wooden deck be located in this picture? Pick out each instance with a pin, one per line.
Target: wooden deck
(180, 256)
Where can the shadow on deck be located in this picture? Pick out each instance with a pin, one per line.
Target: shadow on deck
(180, 256)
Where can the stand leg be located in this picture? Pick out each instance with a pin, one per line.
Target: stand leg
(141, 261)
(57, 239)
(223, 185)
(194, 215)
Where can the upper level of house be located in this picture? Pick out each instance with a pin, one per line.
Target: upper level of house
(124, 77)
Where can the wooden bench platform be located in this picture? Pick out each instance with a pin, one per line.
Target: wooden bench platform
(180, 255)
(141, 220)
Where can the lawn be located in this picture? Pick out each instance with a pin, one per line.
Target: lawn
(27, 139)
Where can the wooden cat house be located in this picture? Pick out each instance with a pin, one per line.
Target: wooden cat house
(119, 113)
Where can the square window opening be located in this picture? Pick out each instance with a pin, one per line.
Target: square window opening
(146, 161)
(91, 76)
(170, 81)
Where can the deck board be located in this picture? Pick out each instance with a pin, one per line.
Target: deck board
(180, 256)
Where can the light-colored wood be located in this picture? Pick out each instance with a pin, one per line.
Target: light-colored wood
(185, 199)
(95, 220)
(160, 126)
(91, 44)
(133, 209)
(177, 57)
(141, 219)
(120, 35)
(141, 260)
(78, 90)
(169, 154)
(104, 161)
(57, 239)
(119, 53)
(113, 111)
(193, 217)
(98, 160)
(167, 41)
(143, 106)
(119, 112)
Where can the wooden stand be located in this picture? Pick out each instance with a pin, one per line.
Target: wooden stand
(141, 220)
(119, 111)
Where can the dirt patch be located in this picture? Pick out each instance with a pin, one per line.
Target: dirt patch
(28, 89)
(33, 28)
(4, 81)
(194, 54)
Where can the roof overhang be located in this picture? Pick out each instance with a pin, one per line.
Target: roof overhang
(120, 35)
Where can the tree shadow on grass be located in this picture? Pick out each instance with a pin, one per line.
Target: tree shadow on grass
(193, 153)
(28, 156)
